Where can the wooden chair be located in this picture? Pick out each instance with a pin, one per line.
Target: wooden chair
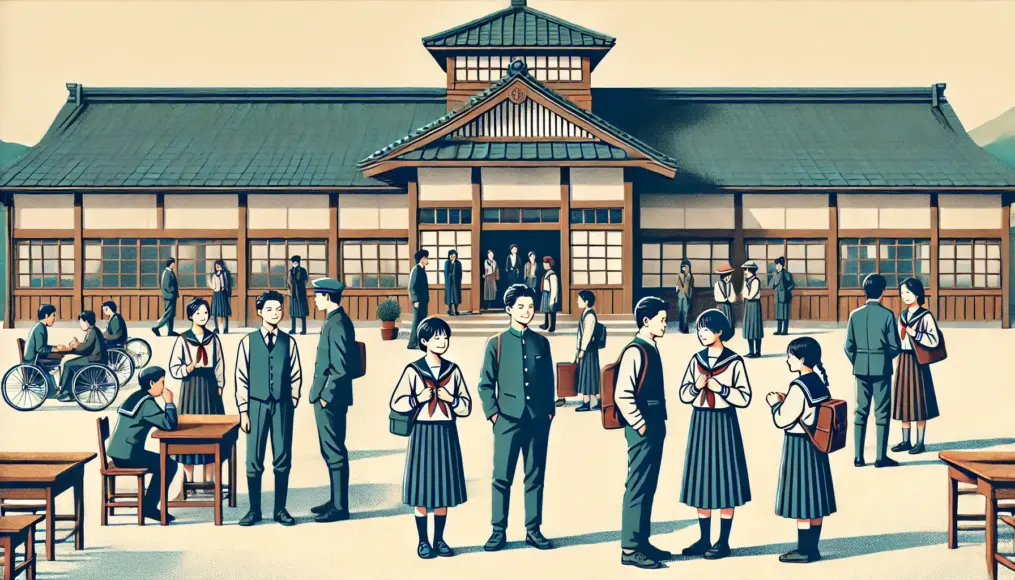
(109, 473)
(1004, 506)
(15, 531)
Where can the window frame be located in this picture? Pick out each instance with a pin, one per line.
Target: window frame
(800, 278)
(430, 216)
(893, 278)
(546, 215)
(402, 261)
(480, 68)
(597, 216)
(165, 248)
(583, 252)
(305, 260)
(973, 261)
(60, 243)
(438, 255)
(713, 261)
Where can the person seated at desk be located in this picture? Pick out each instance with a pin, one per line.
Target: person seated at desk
(92, 351)
(135, 418)
(116, 330)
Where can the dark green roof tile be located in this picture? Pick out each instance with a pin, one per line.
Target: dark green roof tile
(518, 26)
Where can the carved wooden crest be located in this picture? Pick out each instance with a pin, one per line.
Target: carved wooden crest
(517, 95)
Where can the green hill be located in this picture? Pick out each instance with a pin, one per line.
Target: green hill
(1003, 149)
(11, 151)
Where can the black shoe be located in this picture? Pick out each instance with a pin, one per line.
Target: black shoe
(698, 548)
(283, 517)
(859, 462)
(172, 333)
(323, 508)
(250, 519)
(918, 449)
(583, 408)
(718, 552)
(536, 539)
(886, 462)
(542, 327)
(496, 542)
(443, 550)
(639, 560)
(656, 553)
(559, 403)
(904, 446)
(332, 515)
(65, 398)
(292, 330)
(156, 331)
(425, 551)
(796, 557)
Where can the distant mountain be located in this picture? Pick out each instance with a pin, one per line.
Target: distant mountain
(998, 136)
(11, 151)
(1003, 149)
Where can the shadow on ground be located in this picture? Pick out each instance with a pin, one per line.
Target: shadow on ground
(839, 548)
(603, 537)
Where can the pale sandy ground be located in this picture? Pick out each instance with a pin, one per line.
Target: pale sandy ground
(890, 524)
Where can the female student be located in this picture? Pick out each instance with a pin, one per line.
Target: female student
(549, 304)
(754, 326)
(715, 384)
(434, 388)
(914, 395)
(197, 360)
(805, 491)
(588, 352)
(725, 294)
(531, 273)
(221, 291)
(491, 273)
(452, 283)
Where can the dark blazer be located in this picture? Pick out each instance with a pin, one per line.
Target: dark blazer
(419, 287)
(116, 330)
(92, 348)
(337, 361)
(452, 281)
(169, 286)
(520, 377)
(782, 283)
(138, 414)
(38, 343)
(872, 340)
(514, 273)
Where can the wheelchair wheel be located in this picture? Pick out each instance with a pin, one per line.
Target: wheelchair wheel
(25, 387)
(140, 351)
(122, 365)
(95, 387)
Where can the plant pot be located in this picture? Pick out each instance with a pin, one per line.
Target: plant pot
(388, 330)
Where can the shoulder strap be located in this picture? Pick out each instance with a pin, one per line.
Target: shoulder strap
(644, 364)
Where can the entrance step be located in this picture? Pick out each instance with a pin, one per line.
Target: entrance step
(488, 324)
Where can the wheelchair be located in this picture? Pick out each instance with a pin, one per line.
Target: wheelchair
(26, 385)
(139, 350)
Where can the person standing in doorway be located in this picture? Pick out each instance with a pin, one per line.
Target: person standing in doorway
(513, 267)
(915, 399)
(419, 295)
(872, 341)
(754, 325)
(549, 305)
(170, 294)
(296, 283)
(587, 355)
(725, 294)
(532, 276)
(685, 289)
(516, 388)
(452, 283)
(491, 274)
(782, 284)
(221, 286)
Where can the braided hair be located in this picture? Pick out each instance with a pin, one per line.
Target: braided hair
(808, 350)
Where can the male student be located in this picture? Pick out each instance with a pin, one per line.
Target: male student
(91, 350)
(116, 329)
(782, 285)
(37, 348)
(516, 387)
(419, 295)
(170, 294)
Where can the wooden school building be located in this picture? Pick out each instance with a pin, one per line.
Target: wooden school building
(616, 184)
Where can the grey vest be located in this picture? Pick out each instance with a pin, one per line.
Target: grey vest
(270, 372)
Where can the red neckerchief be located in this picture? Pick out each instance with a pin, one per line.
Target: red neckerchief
(435, 400)
(707, 396)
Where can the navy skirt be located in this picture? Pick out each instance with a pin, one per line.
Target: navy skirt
(220, 305)
(727, 309)
(715, 468)
(588, 373)
(754, 326)
(199, 395)
(805, 481)
(546, 306)
(434, 472)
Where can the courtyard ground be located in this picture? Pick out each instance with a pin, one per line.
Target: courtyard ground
(890, 523)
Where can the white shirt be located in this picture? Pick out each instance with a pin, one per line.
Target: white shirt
(736, 391)
(242, 377)
(550, 286)
(927, 333)
(628, 373)
(795, 411)
(409, 394)
(752, 288)
(724, 292)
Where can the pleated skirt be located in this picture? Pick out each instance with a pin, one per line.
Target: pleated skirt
(805, 489)
(546, 306)
(727, 309)
(220, 307)
(489, 289)
(588, 373)
(754, 326)
(915, 399)
(199, 395)
(782, 310)
(434, 471)
(298, 306)
(715, 468)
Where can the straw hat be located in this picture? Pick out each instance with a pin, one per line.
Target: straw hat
(724, 268)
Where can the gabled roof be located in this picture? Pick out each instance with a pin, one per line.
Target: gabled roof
(517, 75)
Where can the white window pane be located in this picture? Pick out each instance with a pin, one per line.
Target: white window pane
(964, 251)
(440, 278)
(946, 251)
(540, 74)
(428, 238)
(350, 266)
(756, 252)
(669, 280)
(579, 237)
(597, 251)
(698, 251)
(579, 264)
(484, 74)
(552, 62)
(446, 238)
(389, 252)
(614, 278)
(963, 281)
(473, 75)
(496, 74)
(980, 280)
(464, 238)
(369, 251)
(597, 265)
(553, 75)
(36, 250)
(495, 62)
(700, 266)
(614, 252)
(473, 61)
(597, 237)
(431, 277)
(797, 251)
(650, 281)
(466, 265)
(993, 281)
(993, 267)
(673, 251)
(651, 251)
(484, 61)
(541, 61)
(614, 265)
(580, 278)
(597, 277)
(994, 252)
(460, 74)
(614, 239)
(460, 62)
(67, 251)
(464, 252)
(565, 74)
(980, 251)
(93, 252)
(671, 266)
(815, 266)
(980, 266)
(403, 251)
(964, 266)
(530, 61)
(576, 62)
(651, 266)
(580, 251)
(348, 250)
(720, 251)
(576, 74)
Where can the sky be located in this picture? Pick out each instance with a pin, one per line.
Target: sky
(334, 43)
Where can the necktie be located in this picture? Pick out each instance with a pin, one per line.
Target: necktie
(271, 341)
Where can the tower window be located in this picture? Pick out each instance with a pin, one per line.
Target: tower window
(485, 69)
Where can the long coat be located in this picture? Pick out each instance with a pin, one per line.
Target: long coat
(296, 281)
(452, 282)
(782, 284)
(514, 272)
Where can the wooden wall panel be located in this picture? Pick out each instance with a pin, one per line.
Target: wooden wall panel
(809, 304)
(437, 306)
(361, 305)
(967, 308)
(609, 299)
(26, 306)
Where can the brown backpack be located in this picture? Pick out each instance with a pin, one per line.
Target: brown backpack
(829, 431)
(612, 419)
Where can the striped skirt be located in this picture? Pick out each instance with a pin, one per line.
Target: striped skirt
(754, 326)
(547, 306)
(588, 373)
(914, 395)
(727, 309)
(782, 310)
(220, 307)
(805, 481)
(715, 468)
(199, 395)
(434, 472)
(298, 306)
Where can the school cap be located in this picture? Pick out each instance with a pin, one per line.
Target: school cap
(749, 266)
(329, 285)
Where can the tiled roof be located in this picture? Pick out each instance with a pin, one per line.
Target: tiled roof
(456, 150)
(518, 26)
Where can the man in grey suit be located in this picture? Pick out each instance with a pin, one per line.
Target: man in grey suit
(872, 341)
(419, 294)
(170, 293)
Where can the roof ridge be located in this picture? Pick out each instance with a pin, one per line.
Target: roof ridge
(276, 94)
(909, 94)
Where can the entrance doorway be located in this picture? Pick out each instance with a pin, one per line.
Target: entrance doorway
(541, 242)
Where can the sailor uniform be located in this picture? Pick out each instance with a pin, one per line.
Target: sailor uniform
(754, 328)
(725, 297)
(915, 399)
(221, 291)
(715, 467)
(550, 303)
(135, 418)
(199, 389)
(588, 366)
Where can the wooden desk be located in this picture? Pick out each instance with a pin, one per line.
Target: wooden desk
(993, 474)
(44, 476)
(14, 531)
(201, 434)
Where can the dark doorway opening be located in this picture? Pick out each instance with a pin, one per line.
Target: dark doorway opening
(540, 242)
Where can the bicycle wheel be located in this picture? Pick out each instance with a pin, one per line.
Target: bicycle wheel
(140, 351)
(122, 365)
(95, 387)
(25, 387)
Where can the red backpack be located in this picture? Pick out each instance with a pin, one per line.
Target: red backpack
(612, 419)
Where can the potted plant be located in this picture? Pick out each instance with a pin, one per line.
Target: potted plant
(388, 312)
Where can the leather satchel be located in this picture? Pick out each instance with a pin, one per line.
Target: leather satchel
(929, 356)
(363, 360)
(567, 374)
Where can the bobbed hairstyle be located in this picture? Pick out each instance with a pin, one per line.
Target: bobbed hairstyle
(194, 305)
(548, 260)
(516, 291)
(110, 305)
(267, 296)
(88, 316)
(648, 307)
(429, 328)
(45, 310)
(148, 376)
(685, 262)
(808, 351)
(717, 322)
(874, 286)
(588, 296)
(915, 286)
(452, 253)
(296, 259)
(170, 262)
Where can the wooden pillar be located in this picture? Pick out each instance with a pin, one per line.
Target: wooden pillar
(477, 228)
(78, 300)
(160, 210)
(242, 262)
(334, 254)
(935, 236)
(565, 240)
(1005, 264)
(739, 250)
(832, 258)
(413, 191)
(9, 257)
(628, 243)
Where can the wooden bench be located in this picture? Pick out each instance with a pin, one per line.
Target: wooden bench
(109, 473)
(16, 531)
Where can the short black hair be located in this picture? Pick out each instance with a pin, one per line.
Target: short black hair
(513, 247)
(431, 327)
(685, 262)
(874, 286)
(335, 297)
(170, 262)
(649, 307)
(266, 296)
(194, 305)
(110, 305)
(781, 261)
(45, 310)
(717, 322)
(452, 253)
(420, 254)
(296, 259)
(516, 291)
(588, 296)
(150, 375)
(916, 287)
(88, 316)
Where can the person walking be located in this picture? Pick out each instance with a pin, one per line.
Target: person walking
(419, 295)
(170, 289)
(296, 282)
